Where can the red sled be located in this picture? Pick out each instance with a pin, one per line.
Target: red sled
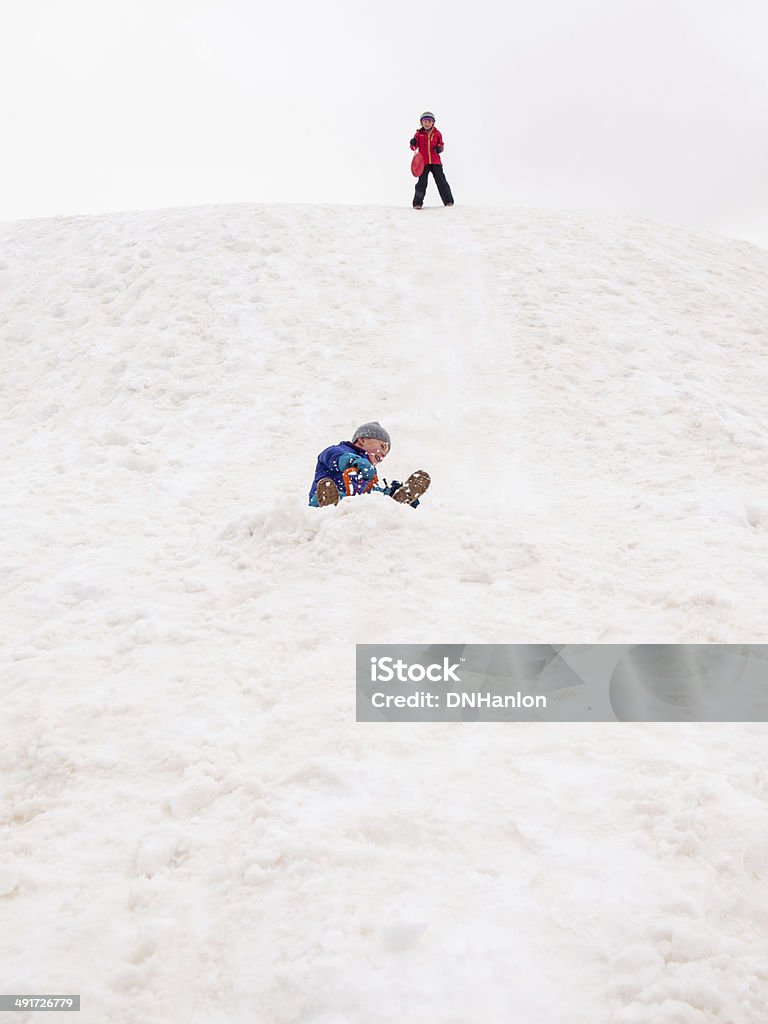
(417, 164)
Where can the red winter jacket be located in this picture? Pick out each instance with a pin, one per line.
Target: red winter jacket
(427, 140)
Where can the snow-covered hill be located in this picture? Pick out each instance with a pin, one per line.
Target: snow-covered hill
(195, 828)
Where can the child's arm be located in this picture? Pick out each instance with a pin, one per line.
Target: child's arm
(337, 458)
(359, 463)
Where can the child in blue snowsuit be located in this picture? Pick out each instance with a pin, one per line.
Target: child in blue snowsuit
(349, 468)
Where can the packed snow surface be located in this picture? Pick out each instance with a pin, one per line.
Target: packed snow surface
(194, 827)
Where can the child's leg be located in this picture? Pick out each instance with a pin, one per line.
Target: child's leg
(442, 185)
(421, 188)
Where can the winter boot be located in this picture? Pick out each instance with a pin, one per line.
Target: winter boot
(327, 492)
(413, 488)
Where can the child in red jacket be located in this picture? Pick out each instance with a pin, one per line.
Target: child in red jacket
(429, 143)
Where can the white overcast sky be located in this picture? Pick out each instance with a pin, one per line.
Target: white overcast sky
(646, 108)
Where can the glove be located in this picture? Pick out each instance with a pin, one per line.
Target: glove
(363, 466)
(413, 144)
(439, 149)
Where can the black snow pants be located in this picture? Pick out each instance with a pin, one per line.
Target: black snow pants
(442, 185)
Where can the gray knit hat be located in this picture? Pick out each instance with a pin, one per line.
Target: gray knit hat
(372, 429)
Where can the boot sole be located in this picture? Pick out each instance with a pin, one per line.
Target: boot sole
(327, 492)
(413, 488)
